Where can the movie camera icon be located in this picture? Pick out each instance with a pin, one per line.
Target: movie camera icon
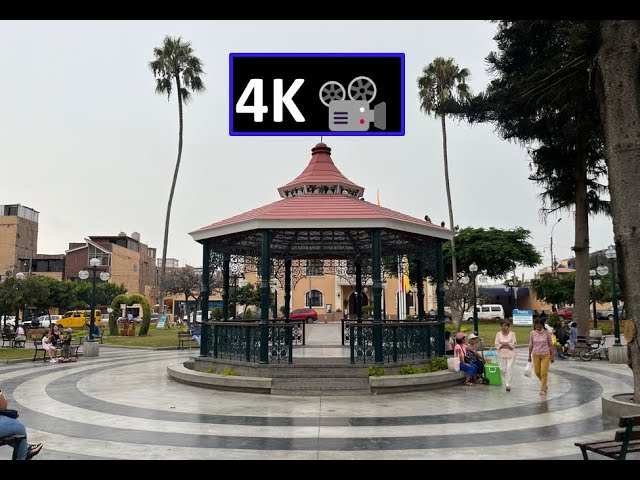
(353, 115)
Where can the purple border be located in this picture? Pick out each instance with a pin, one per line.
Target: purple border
(315, 134)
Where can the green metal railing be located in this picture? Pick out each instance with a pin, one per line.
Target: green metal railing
(401, 341)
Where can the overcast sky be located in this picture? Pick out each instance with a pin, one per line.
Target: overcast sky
(85, 140)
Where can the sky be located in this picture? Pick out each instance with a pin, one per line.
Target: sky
(86, 141)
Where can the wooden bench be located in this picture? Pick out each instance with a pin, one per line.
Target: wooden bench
(12, 441)
(73, 349)
(184, 338)
(626, 440)
(8, 338)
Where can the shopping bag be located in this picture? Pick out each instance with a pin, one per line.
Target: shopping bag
(528, 370)
(453, 364)
(491, 356)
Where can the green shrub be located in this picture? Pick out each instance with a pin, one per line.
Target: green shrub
(229, 371)
(553, 320)
(212, 370)
(376, 371)
(409, 370)
(248, 314)
(367, 310)
(216, 313)
(437, 364)
(409, 318)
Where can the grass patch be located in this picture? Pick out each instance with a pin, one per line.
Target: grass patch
(15, 353)
(154, 338)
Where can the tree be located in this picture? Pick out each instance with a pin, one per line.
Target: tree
(175, 62)
(106, 292)
(554, 290)
(10, 297)
(441, 82)
(497, 251)
(543, 96)
(619, 103)
(459, 298)
(248, 294)
(36, 291)
(183, 281)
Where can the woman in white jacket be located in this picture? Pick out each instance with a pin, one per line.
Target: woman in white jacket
(506, 345)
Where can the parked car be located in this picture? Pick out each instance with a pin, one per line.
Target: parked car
(433, 315)
(566, 313)
(307, 314)
(608, 314)
(485, 312)
(43, 321)
(78, 318)
(104, 319)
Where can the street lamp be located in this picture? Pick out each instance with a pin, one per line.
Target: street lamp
(511, 296)
(595, 282)
(611, 255)
(21, 276)
(104, 276)
(553, 266)
(473, 268)
(274, 289)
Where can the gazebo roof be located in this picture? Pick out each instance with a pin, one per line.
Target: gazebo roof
(321, 198)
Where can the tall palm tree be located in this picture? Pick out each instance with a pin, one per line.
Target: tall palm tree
(441, 83)
(174, 61)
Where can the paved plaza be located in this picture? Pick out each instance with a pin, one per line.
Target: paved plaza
(122, 405)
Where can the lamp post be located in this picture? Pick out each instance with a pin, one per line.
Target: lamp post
(595, 282)
(21, 276)
(511, 296)
(473, 268)
(553, 266)
(104, 276)
(274, 289)
(611, 255)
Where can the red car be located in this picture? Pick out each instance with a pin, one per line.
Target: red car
(566, 313)
(307, 314)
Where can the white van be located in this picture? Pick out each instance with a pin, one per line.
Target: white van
(485, 312)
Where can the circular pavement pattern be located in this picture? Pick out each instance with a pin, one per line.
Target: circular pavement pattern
(122, 405)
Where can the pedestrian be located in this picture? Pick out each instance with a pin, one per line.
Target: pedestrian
(66, 342)
(573, 339)
(20, 335)
(448, 343)
(12, 426)
(506, 344)
(541, 353)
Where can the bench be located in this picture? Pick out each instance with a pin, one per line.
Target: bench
(11, 339)
(626, 440)
(184, 338)
(12, 441)
(73, 349)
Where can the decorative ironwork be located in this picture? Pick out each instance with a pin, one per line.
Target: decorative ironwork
(401, 341)
(280, 343)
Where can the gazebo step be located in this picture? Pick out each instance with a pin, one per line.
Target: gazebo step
(320, 393)
(320, 384)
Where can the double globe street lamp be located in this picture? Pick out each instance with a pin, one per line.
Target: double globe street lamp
(595, 282)
(104, 276)
(611, 255)
(473, 268)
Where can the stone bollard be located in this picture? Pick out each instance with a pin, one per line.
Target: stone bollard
(618, 354)
(90, 349)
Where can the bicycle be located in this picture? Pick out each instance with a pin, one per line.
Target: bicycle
(595, 349)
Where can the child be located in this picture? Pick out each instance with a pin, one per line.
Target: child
(49, 347)
(573, 339)
(448, 343)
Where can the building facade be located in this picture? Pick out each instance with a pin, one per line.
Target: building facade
(18, 237)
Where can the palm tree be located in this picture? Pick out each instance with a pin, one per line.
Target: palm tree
(174, 61)
(442, 82)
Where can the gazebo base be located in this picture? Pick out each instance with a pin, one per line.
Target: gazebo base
(308, 377)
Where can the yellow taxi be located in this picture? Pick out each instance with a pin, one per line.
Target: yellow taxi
(78, 318)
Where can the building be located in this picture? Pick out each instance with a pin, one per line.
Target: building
(18, 237)
(170, 264)
(126, 258)
(42, 264)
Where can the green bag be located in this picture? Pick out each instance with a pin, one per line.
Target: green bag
(492, 373)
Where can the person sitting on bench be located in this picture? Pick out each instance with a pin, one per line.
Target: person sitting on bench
(13, 426)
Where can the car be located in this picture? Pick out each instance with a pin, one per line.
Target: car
(78, 318)
(485, 312)
(43, 321)
(309, 315)
(433, 315)
(565, 312)
(104, 319)
(608, 314)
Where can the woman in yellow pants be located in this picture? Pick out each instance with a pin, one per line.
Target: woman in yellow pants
(540, 352)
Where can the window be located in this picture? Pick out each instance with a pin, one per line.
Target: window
(316, 299)
(485, 309)
(315, 268)
(495, 309)
(104, 257)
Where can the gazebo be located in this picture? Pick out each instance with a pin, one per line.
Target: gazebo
(321, 215)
